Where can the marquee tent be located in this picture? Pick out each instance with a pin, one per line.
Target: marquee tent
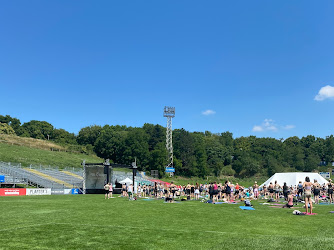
(126, 181)
(293, 179)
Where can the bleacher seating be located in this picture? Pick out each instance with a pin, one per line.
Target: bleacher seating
(53, 177)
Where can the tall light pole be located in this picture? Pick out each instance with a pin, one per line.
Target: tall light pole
(169, 112)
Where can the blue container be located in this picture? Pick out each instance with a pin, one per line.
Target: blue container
(2, 178)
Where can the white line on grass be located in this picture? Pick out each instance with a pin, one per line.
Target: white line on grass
(194, 231)
(24, 227)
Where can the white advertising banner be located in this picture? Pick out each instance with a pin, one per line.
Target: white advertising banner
(67, 191)
(38, 191)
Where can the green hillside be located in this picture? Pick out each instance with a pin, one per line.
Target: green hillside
(31, 155)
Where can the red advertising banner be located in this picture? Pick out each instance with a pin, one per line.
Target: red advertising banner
(12, 191)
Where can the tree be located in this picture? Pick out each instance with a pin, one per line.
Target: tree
(184, 151)
(88, 135)
(136, 146)
(110, 143)
(64, 137)
(38, 129)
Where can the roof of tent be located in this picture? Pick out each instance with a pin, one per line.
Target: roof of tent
(292, 179)
(126, 180)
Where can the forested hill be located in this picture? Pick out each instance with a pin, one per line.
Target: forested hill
(195, 153)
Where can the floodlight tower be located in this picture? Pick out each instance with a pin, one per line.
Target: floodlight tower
(169, 112)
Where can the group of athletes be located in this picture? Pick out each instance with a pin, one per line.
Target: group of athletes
(229, 192)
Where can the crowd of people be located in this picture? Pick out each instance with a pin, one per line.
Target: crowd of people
(227, 191)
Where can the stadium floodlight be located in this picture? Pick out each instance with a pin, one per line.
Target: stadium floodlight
(169, 112)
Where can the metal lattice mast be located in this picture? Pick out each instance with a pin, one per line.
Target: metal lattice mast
(169, 112)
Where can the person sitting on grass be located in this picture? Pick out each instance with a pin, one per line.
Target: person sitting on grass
(289, 199)
(307, 185)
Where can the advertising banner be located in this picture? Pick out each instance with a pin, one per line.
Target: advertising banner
(75, 191)
(12, 191)
(57, 191)
(67, 191)
(38, 191)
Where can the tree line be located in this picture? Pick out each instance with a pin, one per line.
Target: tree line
(195, 153)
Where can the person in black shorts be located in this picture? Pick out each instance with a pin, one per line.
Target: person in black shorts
(300, 189)
(106, 190)
(316, 191)
(330, 191)
(192, 191)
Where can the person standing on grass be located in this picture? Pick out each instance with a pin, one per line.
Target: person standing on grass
(215, 192)
(300, 189)
(330, 191)
(285, 191)
(256, 190)
(236, 191)
(276, 189)
(307, 185)
(228, 190)
(264, 191)
(106, 191)
(192, 190)
(196, 191)
(271, 190)
(172, 189)
(316, 191)
(130, 191)
(124, 190)
(110, 191)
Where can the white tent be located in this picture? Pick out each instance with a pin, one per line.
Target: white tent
(293, 179)
(126, 181)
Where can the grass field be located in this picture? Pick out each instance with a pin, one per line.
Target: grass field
(27, 156)
(91, 222)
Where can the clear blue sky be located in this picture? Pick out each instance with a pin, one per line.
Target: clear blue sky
(248, 67)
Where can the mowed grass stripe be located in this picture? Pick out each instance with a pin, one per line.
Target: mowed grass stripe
(49, 177)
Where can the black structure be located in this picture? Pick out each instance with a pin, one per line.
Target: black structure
(107, 170)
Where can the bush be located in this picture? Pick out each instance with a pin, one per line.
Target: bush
(6, 129)
(228, 170)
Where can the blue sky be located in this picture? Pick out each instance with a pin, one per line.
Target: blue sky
(248, 67)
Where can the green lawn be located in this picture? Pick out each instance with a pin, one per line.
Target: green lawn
(90, 222)
(27, 156)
